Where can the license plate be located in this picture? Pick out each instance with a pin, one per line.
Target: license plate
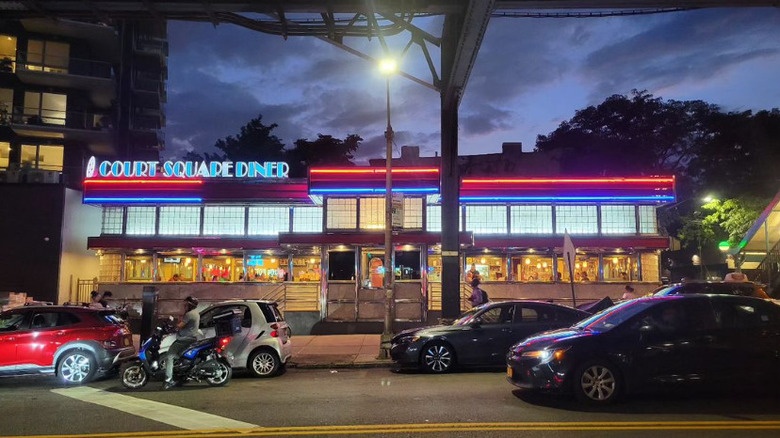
(509, 372)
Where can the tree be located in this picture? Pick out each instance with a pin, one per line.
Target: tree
(718, 220)
(324, 151)
(255, 142)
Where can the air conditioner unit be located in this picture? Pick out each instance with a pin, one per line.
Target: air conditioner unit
(35, 176)
(51, 177)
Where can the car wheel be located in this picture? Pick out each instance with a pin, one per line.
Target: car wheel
(597, 383)
(264, 363)
(76, 367)
(222, 373)
(437, 358)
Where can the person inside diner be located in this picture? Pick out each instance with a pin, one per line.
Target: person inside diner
(473, 274)
(175, 278)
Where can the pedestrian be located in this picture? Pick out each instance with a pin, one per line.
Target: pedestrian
(95, 303)
(478, 296)
(628, 293)
(105, 297)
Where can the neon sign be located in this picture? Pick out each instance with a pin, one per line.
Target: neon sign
(187, 169)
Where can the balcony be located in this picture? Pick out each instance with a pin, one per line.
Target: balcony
(95, 77)
(91, 128)
(151, 46)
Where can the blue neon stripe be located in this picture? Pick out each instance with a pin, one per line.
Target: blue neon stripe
(382, 190)
(144, 200)
(567, 198)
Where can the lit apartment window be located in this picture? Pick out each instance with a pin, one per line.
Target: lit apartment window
(647, 220)
(6, 103)
(44, 157)
(7, 53)
(618, 219)
(341, 214)
(48, 108)
(48, 56)
(372, 213)
(180, 221)
(413, 218)
(269, 221)
(486, 219)
(5, 153)
(112, 220)
(221, 220)
(577, 219)
(140, 221)
(307, 219)
(531, 219)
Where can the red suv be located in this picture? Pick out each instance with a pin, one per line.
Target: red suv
(75, 343)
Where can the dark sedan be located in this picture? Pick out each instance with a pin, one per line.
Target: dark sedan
(480, 337)
(651, 343)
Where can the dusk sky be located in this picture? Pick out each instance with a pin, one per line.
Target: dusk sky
(530, 75)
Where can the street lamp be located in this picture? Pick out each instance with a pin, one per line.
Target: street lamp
(387, 67)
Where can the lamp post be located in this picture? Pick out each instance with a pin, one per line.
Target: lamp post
(388, 67)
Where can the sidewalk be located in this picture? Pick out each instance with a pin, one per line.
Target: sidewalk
(337, 351)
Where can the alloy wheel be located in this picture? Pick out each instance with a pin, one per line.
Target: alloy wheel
(221, 374)
(134, 376)
(264, 363)
(438, 358)
(598, 383)
(75, 368)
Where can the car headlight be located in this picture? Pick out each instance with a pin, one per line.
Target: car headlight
(544, 356)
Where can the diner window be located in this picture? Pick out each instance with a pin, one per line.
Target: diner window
(110, 270)
(140, 221)
(647, 220)
(5, 154)
(372, 213)
(48, 108)
(307, 269)
(618, 219)
(269, 221)
(221, 269)
(586, 269)
(341, 214)
(48, 56)
(650, 267)
(138, 268)
(407, 265)
(44, 157)
(113, 218)
(434, 268)
(490, 267)
(531, 219)
(486, 219)
(433, 218)
(307, 219)
(531, 267)
(413, 217)
(7, 53)
(220, 220)
(180, 221)
(621, 268)
(341, 265)
(6, 104)
(265, 268)
(577, 219)
(177, 267)
(372, 268)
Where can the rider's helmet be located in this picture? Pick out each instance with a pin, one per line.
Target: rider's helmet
(191, 301)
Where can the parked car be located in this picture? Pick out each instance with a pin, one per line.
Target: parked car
(75, 343)
(744, 289)
(652, 342)
(480, 337)
(263, 347)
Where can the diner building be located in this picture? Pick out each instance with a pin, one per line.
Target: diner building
(244, 230)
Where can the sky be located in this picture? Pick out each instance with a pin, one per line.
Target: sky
(530, 75)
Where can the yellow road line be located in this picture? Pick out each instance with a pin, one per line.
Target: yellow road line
(439, 427)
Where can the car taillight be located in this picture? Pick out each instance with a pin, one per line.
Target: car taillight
(222, 344)
(275, 332)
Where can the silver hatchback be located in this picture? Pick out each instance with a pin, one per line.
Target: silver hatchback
(263, 347)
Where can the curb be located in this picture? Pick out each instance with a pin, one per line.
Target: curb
(344, 365)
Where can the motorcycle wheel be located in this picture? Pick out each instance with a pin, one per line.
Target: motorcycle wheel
(134, 376)
(222, 373)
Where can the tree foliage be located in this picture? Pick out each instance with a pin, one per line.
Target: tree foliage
(324, 151)
(718, 220)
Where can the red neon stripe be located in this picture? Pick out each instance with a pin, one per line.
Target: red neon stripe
(571, 180)
(401, 170)
(142, 181)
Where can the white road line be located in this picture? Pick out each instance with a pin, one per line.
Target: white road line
(164, 413)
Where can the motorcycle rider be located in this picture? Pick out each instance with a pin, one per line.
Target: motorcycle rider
(186, 336)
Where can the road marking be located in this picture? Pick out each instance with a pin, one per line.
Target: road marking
(370, 429)
(161, 412)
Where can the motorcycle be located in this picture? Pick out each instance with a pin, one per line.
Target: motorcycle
(202, 361)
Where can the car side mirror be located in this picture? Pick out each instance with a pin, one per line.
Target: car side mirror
(477, 322)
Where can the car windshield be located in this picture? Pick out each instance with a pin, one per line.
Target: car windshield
(467, 317)
(665, 291)
(614, 316)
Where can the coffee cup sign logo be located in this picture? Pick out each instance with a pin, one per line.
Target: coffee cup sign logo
(187, 169)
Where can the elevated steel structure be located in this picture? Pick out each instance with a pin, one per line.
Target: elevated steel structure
(334, 20)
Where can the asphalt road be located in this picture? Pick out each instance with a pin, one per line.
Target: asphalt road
(378, 402)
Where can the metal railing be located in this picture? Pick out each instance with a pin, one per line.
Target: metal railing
(48, 63)
(151, 45)
(67, 119)
(768, 272)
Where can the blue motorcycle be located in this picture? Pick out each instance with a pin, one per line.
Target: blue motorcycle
(202, 361)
